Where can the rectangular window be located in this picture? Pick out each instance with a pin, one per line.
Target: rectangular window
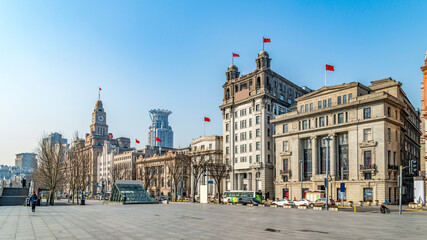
(367, 113)
(236, 149)
(319, 104)
(227, 150)
(250, 147)
(304, 125)
(235, 114)
(302, 108)
(324, 103)
(258, 146)
(344, 99)
(285, 146)
(227, 138)
(330, 102)
(282, 97)
(268, 145)
(389, 157)
(389, 134)
(250, 110)
(227, 116)
(285, 166)
(250, 159)
(350, 96)
(285, 128)
(236, 126)
(250, 134)
(250, 122)
(322, 121)
(367, 159)
(340, 118)
(258, 158)
(394, 159)
(306, 108)
(242, 136)
(257, 133)
(311, 106)
(339, 100)
(367, 134)
(236, 137)
(227, 127)
(243, 148)
(257, 120)
(257, 107)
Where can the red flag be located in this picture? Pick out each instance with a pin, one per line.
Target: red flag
(137, 141)
(264, 40)
(100, 89)
(236, 55)
(111, 135)
(329, 68)
(158, 139)
(207, 119)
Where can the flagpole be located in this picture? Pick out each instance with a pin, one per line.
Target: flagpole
(204, 123)
(263, 43)
(325, 76)
(99, 95)
(232, 59)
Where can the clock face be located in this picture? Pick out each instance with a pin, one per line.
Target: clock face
(100, 118)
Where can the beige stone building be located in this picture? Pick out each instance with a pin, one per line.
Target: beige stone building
(204, 151)
(250, 102)
(165, 174)
(372, 129)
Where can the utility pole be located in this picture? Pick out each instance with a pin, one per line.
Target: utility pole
(182, 180)
(401, 187)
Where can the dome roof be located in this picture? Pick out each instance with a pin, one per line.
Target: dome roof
(232, 67)
(263, 54)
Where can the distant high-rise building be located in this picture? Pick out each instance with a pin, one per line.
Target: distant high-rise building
(25, 160)
(160, 129)
(56, 138)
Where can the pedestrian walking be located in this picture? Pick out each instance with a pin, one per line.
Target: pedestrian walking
(33, 201)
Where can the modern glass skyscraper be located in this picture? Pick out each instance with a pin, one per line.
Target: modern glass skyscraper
(160, 129)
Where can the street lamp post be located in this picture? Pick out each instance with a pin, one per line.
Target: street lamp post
(327, 171)
(301, 165)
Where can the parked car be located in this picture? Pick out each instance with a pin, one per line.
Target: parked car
(306, 202)
(246, 200)
(284, 201)
(322, 202)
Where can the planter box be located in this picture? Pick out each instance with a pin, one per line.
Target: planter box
(302, 207)
(287, 206)
(333, 209)
(317, 208)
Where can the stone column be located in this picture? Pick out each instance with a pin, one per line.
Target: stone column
(314, 149)
(333, 154)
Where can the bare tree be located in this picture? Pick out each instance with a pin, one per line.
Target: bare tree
(146, 174)
(175, 170)
(198, 163)
(218, 171)
(50, 167)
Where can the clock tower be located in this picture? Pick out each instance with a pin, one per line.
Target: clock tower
(99, 127)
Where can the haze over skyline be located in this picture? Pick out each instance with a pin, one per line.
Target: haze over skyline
(173, 55)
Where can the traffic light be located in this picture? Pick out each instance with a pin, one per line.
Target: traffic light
(413, 167)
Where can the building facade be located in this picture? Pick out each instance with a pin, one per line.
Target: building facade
(250, 102)
(160, 129)
(423, 115)
(25, 160)
(205, 150)
(124, 165)
(105, 171)
(166, 174)
(372, 131)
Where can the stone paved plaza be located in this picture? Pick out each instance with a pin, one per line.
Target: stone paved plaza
(198, 221)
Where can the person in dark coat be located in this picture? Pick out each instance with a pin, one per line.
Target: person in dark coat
(33, 201)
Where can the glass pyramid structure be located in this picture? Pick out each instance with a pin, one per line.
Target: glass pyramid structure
(131, 190)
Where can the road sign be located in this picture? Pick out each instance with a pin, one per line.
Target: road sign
(342, 187)
(210, 182)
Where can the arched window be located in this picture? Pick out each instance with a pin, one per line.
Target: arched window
(258, 175)
(258, 82)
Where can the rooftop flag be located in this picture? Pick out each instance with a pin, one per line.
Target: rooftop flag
(236, 55)
(207, 119)
(264, 40)
(158, 139)
(329, 68)
(137, 141)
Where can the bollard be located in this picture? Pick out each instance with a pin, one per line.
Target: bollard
(354, 209)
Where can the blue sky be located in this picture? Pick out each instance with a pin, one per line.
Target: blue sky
(173, 55)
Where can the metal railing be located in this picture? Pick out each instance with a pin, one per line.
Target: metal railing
(368, 167)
